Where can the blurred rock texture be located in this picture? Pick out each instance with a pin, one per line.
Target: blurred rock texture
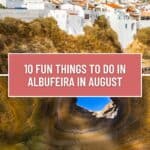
(59, 124)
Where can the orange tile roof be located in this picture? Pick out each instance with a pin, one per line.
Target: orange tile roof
(79, 2)
(114, 5)
(130, 9)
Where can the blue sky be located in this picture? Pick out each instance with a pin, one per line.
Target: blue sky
(93, 103)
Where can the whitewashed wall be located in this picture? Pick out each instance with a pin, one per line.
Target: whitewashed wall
(37, 5)
(60, 16)
(125, 27)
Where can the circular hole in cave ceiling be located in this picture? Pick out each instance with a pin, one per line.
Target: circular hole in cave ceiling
(93, 104)
(100, 106)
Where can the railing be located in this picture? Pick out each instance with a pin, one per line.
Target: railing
(146, 70)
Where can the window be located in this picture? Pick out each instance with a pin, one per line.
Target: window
(132, 26)
(87, 16)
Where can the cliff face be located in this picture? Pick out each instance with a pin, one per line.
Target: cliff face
(59, 124)
(141, 44)
(44, 35)
(139, 47)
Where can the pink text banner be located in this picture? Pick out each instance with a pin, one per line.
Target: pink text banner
(72, 75)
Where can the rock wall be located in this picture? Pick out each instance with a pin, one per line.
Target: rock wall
(59, 124)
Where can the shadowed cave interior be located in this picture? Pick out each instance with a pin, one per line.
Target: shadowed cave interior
(60, 124)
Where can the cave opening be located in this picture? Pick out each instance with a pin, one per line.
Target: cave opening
(93, 104)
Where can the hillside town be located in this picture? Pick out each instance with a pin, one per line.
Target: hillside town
(124, 16)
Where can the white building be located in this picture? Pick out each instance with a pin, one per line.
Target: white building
(124, 26)
(69, 18)
(60, 16)
(73, 8)
(120, 21)
(34, 4)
